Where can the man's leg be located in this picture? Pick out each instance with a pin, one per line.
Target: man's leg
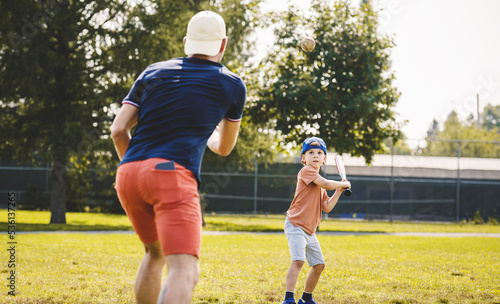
(182, 277)
(313, 277)
(178, 222)
(293, 274)
(148, 281)
(128, 187)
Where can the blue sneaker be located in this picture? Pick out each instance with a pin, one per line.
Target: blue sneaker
(289, 301)
(308, 302)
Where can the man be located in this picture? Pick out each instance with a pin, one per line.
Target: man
(180, 106)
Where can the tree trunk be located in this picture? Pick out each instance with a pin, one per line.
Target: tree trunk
(58, 195)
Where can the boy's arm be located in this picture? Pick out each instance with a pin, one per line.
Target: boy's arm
(224, 137)
(328, 206)
(328, 184)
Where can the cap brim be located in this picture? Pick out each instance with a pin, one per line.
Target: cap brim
(208, 48)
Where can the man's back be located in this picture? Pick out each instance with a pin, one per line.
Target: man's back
(180, 102)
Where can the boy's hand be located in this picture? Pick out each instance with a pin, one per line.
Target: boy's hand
(347, 187)
(347, 184)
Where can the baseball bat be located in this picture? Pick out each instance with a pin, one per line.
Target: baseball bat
(341, 169)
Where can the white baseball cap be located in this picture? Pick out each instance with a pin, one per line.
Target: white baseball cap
(205, 32)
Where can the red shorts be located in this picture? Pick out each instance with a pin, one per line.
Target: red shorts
(162, 202)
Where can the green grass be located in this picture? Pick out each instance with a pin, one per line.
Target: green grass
(251, 268)
(75, 221)
(39, 221)
(275, 223)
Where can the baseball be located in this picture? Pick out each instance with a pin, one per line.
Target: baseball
(307, 44)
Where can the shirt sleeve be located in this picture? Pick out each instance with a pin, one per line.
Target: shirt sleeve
(134, 97)
(308, 174)
(236, 110)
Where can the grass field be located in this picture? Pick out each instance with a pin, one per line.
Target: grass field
(250, 268)
(39, 221)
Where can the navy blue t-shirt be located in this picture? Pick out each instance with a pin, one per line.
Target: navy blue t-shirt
(180, 102)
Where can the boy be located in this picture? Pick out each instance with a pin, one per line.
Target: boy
(304, 216)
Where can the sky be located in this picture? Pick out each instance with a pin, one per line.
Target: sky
(447, 52)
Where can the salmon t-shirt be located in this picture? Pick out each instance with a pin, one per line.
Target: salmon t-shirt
(305, 210)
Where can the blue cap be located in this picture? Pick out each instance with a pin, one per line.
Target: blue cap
(306, 146)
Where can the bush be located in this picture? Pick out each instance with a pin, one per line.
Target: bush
(477, 219)
(492, 220)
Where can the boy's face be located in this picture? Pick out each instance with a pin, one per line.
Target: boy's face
(314, 157)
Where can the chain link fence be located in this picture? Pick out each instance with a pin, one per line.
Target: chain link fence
(394, 188)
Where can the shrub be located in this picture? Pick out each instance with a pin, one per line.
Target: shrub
(477, 219)
(492, 220)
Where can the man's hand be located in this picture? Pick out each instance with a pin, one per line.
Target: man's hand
(224, 137)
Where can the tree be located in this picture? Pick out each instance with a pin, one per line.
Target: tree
(474, 142)
(399, 147)
(491, 117)
(51, 82)
(434, 129)
(65, 64)
(341, 91)
(254, 140)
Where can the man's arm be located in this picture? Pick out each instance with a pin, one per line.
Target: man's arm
(120, 129)
(224, 137)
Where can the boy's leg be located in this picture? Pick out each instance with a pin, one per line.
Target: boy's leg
(317, 262)
(297, 242)
(148, 281)
(293, 274)
(313, 277)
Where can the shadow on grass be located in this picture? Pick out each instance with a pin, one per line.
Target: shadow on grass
(226, 226)
(63, 227)
(209, 225)
(350, 231)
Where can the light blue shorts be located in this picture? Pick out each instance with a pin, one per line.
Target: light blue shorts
(303, 245)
